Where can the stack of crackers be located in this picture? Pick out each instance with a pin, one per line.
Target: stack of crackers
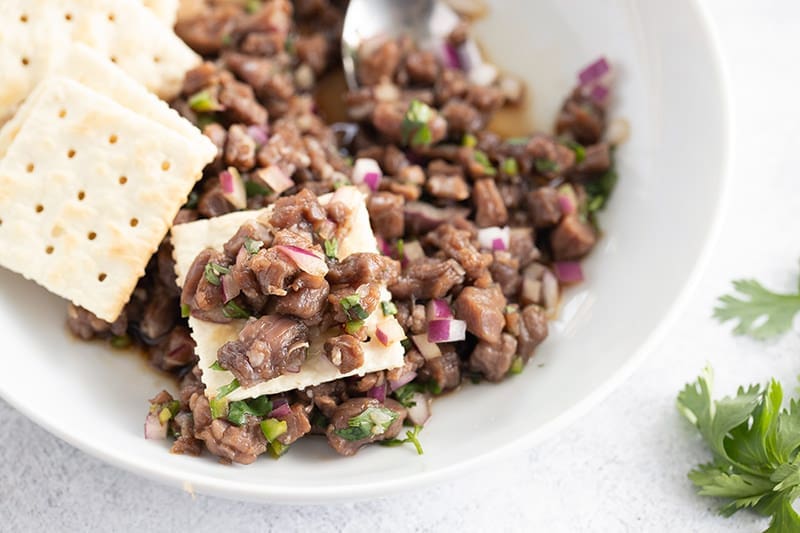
(94, 166)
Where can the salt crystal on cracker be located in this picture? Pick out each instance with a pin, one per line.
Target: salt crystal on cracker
(190, 239)
(125, 31)
(88, 189)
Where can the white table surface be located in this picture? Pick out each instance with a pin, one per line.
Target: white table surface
(622, 467)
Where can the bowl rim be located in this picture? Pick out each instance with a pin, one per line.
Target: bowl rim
(232, 489)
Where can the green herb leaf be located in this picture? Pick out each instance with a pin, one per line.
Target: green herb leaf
(578, 149)
(401, 248)
(415, 124)
(511, 167)
(257, 407)
(373, 421)
(186, 311)
(353, 308)
(483, 160)
(191, 202)
(760, 313)
(227, 389)
(252, 246)
(331, 247)
(219, 407)
(121, 341)
(543, 166)
(272, 428)
(517, 366)
(388, 308)
(233, 310)
(599, 190)
(412, 436)
(213, 271)
(277, 448)
(755, 447)
(339, 184)
(204, 102)
(469, 140)
(216, 366)
(254, 188)
(353, 326)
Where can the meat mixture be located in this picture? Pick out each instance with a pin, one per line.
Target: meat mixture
(477, 233)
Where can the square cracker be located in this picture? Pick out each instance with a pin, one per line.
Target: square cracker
(166, 10)
(88, 189)
(36, 31)
(190, 239)
(89, 68)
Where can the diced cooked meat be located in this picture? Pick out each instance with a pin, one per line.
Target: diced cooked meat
(273, 270)
(386, 214)
(550, 157)
(572, 238)
(522, 247)
(377, 64)
(532, 330)
(240, 103)
(596, 160)
(461, 117)
(543, 207)
(175, 351)
(297, 425)
(185, 442)
(86, 325)
(493, 360)
(505, 271)
(427, 278)
(313, 50)
(412, 317)
(301, 209)
(159, 315)
(457, 244)
(252, 230)
(581, 118)
(267, 347)
(482, 310)
(422, 67)
(444, 370)
(374, 429)
(448, 187)
(200, 77)
(422, 218)
(240, 148)
(489, 207)
(224, 439)
(362, 268)
(213, 203)
(344, 352)
(202, 292)
(306, 298)
(206, 33)
(327, 396)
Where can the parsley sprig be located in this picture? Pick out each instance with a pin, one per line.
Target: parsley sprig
(755, 447)
(760, 313)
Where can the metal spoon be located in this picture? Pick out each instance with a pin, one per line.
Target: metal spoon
(427, 22)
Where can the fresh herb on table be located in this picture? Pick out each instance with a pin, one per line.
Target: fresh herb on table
(760, 313)
(412, 436)
(755, 447)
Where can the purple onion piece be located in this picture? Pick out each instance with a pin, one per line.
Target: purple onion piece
(404, 379)
(594, 71)
(378, 392)
(281, 411)
(568, 271)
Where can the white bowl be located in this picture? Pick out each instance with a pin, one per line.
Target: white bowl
(657, 229)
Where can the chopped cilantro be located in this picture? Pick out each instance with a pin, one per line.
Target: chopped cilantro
(388, 308)
(760, 313)
(415, 129)
(216, 366)
(598, 190)
(483, 160)
(276, 448)
(401, 247)
(517, 366)
(213, 271)
(353, 308)
(227, 389)
(412, 436)
(469, 140)
(219, 407)
(191, 202)
(372, 422)
(543, 166)
(331, 247)
(233, 310)
(186, 311)
(121, 341)
(204, 120)
(203, 102)
(353, 326)
(510, 167)
(254, 188)
(272, 428)
(318, 420)
(578, 149)
(252, 246)
(238, 411)
(339, 184)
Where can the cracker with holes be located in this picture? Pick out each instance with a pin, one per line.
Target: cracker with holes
(88, 189)
(192, 238)
(166, 10)
(35, 32)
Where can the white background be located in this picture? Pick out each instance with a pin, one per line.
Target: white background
(622, 467)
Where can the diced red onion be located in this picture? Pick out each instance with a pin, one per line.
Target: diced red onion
(260, 134)
(412, 250)
(420, 412)
(599, 93)
(549, 291)
(384, 247)
(230, 288)
(450, 56)
(429, 350)
(277, 402)
(366, 170)
(389, 331)
(567, 200)
(378, 392)
(470, 56)
(233, 188)
(447, 330)
(306, 260)
(594, 72)
(438, 309)
(280, 411)
(276, 178)
(494, 238)
(404, 379)
(568, 271)
(153, 428)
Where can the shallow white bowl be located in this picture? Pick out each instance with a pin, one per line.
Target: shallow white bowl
(658, 226)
